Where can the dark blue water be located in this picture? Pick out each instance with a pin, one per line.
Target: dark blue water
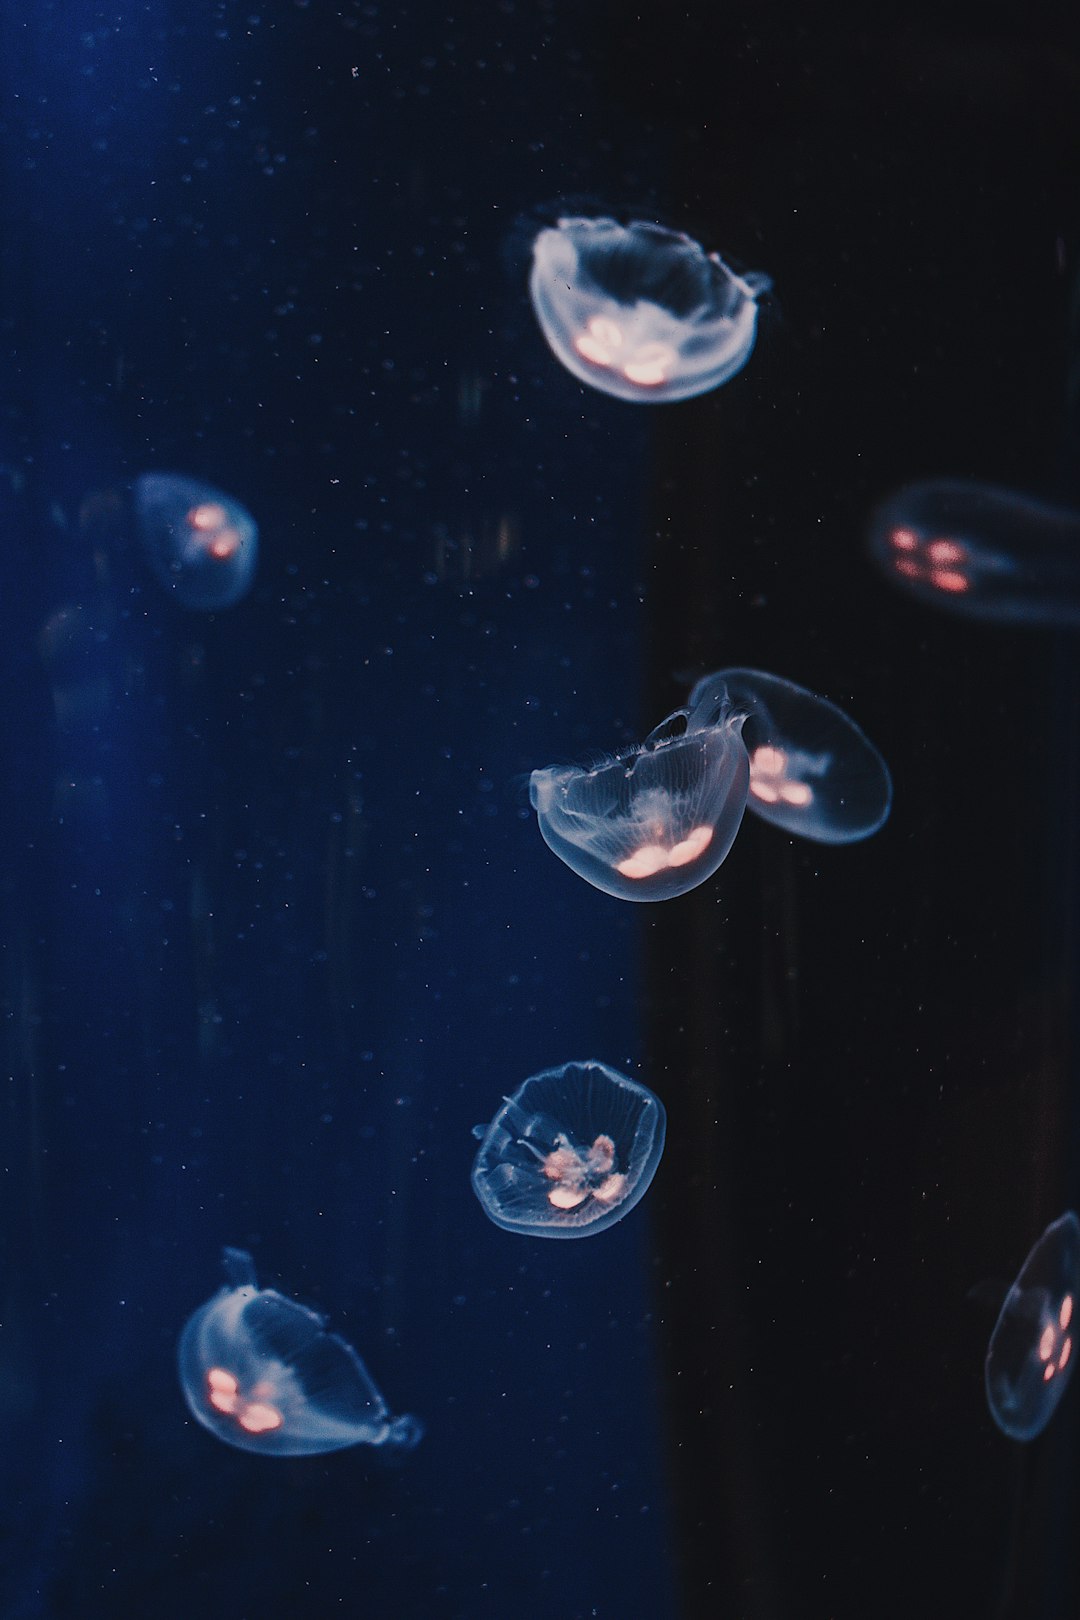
(277, 928)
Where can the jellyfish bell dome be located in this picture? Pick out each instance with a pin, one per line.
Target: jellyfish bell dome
(201, 544)
(261, 1372)
(639, 311)
(984, 552)
(1030, 1357)
(655, 820)
(812, 771)
(570, 1152)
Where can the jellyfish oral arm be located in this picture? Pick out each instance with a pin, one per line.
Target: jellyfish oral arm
(576, 1176)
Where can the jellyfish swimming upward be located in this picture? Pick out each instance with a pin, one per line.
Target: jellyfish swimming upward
(640, 311)
(812, 771)
(570, 1153)
(658, 819)
(201, 544)
(261, 1372)
(1030, 1358)
(981, 552)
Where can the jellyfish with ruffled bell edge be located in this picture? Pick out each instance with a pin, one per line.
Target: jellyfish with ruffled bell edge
(655, 820)
(1031, 1354)
(639, 311)
(261, 1372)
(812, 771)
(570, 1152)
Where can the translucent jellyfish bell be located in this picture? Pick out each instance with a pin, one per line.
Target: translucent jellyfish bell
(812, 771)
(201, 544)
(656, 820)
(641, 312)
(983, 552)
(570, 1153)
(1030, 1358)
(261, 1372)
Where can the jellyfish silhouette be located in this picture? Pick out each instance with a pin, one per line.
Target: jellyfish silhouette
(1030, 1358)
(812, 771)
(201, 544)
(639, 311)
(982, 552)
(657, 819)
(570, 1153)
(261, 1372)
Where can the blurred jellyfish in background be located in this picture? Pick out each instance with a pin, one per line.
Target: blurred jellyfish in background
(639, 311)
(202, 545)
(81, 690)
(984, 552)
(570, 1153)
(262, 1372)
(812, 771)
(1030, 1358)
(658, 819)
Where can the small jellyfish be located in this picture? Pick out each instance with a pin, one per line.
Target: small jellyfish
(201, 544)
(1030, 1358)
(658, 819)
(812, 771)
(570, 1153)
(641, 312)
(983, 552)
(261, 1372)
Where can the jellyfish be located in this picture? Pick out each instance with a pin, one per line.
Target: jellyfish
(812, 771)
(1030, 1358)
(639, 311)
(201, 544)
(983, 552)
(570, 1153)
(657, 819)
(261, 1372)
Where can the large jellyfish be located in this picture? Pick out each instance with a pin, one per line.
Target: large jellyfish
(570, 1153)
(983, 552)
(261, 1372)
(812, 771)
(201, 544)
(658, 819)
(1030, 1358)
(639, 311)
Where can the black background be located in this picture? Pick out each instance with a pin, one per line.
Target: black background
(276, 926)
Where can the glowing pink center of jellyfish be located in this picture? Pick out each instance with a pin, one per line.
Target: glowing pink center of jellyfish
(652, 858)
(599, 340)
(769, 781)
(1055, 1344)
(223, 1393)
(946, 553)
(578, 1176)
(650, 366)
(940, 565)
(211, 520)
